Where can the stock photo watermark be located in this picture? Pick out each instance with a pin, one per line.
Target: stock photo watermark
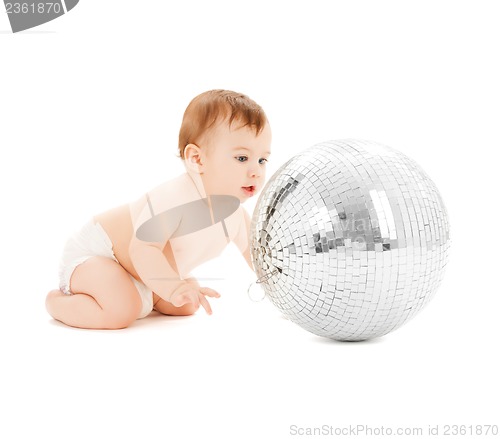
(363, 430)
(28, 14)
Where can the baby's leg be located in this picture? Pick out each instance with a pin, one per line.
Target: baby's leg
(104, 297)
(167, 308)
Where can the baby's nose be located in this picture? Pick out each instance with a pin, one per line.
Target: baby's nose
(254, 172)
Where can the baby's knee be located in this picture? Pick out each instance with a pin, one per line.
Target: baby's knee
(167, 308)
(119, 317)
(50, 301)
(187, 310)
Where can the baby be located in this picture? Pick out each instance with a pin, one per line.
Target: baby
(134, 258)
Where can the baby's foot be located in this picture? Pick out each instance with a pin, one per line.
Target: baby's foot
(55, 293)
(51, 297)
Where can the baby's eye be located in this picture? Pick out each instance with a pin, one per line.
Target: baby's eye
(241, 157)
(262, 162)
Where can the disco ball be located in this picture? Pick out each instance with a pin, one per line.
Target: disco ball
(349, 239)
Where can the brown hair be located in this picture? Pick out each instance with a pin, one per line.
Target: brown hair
(214, 105)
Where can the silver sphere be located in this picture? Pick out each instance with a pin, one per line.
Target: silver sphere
(349, 239)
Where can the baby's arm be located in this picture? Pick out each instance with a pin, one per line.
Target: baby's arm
(242, 239)
(155, 271)
(146, 252)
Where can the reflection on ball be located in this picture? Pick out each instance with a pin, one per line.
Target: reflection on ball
(350, 239)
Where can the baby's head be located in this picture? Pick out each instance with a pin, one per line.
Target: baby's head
(215, 106)
(225, 138)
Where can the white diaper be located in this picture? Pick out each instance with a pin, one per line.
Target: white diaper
(92, 240)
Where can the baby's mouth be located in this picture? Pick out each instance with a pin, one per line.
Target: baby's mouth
(249, 190)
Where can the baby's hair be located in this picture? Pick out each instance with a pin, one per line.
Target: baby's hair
(211, 106)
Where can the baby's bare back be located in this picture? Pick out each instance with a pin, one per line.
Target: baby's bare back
(117, 223)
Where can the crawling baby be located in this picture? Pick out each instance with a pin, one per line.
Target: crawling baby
(137, 257)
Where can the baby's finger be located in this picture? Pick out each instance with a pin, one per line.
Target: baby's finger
(209, 292)
(205, 304)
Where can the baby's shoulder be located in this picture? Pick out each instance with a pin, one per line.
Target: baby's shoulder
(171, 193)
(165, 196)
(162, 198)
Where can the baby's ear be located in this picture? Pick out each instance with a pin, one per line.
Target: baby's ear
(192, 155)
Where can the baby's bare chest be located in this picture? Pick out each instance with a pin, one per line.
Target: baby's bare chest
(195, 248)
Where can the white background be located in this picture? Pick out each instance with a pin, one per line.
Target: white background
(90, 107)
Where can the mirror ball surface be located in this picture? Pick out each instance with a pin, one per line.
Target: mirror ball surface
(349, 239)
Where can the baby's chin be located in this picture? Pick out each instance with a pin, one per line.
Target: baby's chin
(241, 199)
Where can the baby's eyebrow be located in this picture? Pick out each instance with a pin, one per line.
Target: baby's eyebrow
(248, 149)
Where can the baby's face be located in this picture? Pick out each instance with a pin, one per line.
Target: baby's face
(236, 160)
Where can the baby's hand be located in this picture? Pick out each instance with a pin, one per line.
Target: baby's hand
(191, 292)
